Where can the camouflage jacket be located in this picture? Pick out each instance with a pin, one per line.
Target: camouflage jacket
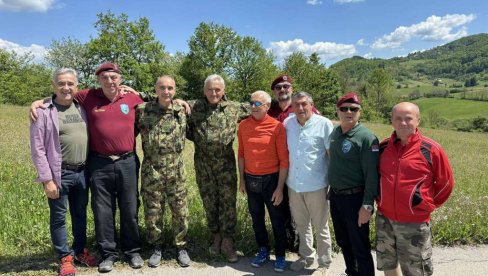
(212, 128)
(162, 130)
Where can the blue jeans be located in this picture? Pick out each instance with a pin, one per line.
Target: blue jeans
(256, 203)
(73, 192)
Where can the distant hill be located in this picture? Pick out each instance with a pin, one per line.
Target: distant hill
(457, 61)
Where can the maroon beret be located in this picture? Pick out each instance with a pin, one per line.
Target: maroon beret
(281, 78)
(349, 97)
(107, 66)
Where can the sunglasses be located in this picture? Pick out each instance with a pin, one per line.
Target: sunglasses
(279, 86)
(256, 103)
(353, 109)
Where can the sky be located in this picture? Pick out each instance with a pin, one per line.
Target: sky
(335, 29)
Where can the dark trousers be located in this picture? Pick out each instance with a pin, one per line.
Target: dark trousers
(291, 232)
(73, 192)
(256, 203)
(353, 240)
(115, 183)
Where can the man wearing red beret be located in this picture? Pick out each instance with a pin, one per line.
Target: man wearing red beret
(280, 109)
(354, 181)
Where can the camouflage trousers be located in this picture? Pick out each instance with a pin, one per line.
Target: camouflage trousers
(161, 183)
(406, 243)
(217, 181)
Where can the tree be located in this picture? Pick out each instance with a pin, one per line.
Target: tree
(210, 53)
(132, 46)
(250, 68)
(21, 82)
(313, 77)
(71, 53)
(378, 91)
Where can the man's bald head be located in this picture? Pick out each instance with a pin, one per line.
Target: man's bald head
(405, 119)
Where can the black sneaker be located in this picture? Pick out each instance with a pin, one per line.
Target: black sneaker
(155, 259)
(106, 265)
(183, 258)
(136, 262)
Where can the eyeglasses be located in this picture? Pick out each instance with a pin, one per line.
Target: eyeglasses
(279, 86)
(256, 103)
(353, 109)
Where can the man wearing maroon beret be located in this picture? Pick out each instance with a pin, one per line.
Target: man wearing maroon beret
(112, 165)
(354, 181)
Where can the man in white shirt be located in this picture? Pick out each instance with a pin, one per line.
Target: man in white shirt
(307, 136)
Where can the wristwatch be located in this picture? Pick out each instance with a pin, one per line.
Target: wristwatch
(368, 208)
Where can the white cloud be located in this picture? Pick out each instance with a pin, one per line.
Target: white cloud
(434, 28)
(368, 55)
(326, 50)
(314, 2)
(37, 51)
(26, 5)
(347, 1)
(361, 42)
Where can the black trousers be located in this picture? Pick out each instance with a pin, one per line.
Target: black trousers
(353, 240)
(112, 184)
(256, 203)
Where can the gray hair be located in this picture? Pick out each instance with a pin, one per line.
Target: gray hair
(302, 94)
(265, 95)
(62, 71)
(214, 77)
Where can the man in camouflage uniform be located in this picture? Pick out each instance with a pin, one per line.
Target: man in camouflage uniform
(162, 125)
(212, 127)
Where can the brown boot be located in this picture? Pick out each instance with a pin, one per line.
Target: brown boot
(215, 247)
(228, 250)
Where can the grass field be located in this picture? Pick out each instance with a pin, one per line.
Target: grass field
(452, 108)
(25, 246)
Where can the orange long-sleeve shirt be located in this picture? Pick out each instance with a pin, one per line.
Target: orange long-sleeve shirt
(263, 146)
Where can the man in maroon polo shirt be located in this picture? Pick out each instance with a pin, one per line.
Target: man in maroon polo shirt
(113, 166)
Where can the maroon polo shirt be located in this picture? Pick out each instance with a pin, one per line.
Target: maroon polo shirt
(280, 115)
(110, 124)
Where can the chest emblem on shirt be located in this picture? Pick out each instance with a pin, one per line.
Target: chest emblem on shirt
(124, 108)
(346, 146)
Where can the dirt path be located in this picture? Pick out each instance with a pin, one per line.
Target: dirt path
(464, 261)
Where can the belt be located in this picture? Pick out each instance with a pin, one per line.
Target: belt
(77, 167)
(352, 191)
(115, 157)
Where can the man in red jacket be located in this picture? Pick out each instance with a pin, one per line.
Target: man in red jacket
(416, 178)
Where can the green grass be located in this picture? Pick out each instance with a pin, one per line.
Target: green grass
(451, 108)
(25, 245)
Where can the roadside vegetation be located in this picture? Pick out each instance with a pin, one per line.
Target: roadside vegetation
(25, 245)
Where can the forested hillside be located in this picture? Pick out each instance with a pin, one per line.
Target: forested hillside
(458, 60)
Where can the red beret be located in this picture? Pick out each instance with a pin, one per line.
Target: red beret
(350, 97)
(107, 66)
(281, 78)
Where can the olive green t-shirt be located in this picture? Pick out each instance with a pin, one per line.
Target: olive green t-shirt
(73, 134)
(354, 157)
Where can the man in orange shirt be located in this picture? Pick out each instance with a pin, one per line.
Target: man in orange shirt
(263, 167)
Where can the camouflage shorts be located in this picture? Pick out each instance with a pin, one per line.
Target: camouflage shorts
(406, 243)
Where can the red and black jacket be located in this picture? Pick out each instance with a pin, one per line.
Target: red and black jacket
(415, 179)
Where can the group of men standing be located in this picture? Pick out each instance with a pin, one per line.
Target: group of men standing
(290, 159)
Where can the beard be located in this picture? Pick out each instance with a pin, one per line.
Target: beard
(283, 97)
